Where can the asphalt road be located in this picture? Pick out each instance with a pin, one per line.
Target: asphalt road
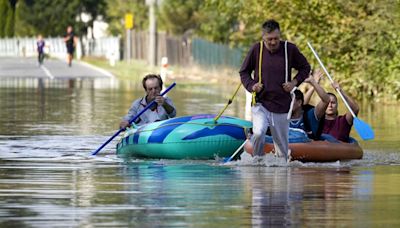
(13, 67)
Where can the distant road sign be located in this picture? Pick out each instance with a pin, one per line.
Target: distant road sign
(129, 21)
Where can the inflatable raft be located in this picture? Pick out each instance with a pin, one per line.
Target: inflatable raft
(306, 150)
(187, 137)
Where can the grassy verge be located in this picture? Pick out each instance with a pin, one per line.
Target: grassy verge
(123, 70)
(184, 75)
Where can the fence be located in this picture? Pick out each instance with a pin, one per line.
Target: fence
(184, 52)
(167, 46)
(179, 50)
(104, 47)
(55, 47)
(210, 54)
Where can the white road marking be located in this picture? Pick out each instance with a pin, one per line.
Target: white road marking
(47, 72)
(98, 69)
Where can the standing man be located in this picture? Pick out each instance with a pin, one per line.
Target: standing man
(70, 42)
(272, 61)
(162, 110)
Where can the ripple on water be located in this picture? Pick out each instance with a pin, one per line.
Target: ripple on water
(55, 147)
(80, 148)
(370, 158)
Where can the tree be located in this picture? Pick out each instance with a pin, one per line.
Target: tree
(116, 11)
(219, 21)
(22, 28)
(179, 16)
(7, 17)
(51, 17)
(48, 17)
(357, 40)
(93, 9)
(9, 27)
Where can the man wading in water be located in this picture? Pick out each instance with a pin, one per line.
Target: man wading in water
(272, 61)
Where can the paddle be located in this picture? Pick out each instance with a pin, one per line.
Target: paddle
(362, 128)
(133, 119)
(229, 102)
(237, 151)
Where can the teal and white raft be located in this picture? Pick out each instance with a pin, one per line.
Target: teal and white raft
(186, 137)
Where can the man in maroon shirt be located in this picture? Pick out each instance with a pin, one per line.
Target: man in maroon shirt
(338, 126)
(272, 86)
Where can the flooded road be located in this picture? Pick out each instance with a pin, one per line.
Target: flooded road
(48, 178)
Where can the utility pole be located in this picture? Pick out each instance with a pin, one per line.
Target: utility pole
(128, 27)
(152, 33)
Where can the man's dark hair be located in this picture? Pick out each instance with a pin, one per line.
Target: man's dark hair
(270, 26)
(299, 96)
(150, 76)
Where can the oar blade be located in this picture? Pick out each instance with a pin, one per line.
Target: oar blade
(363, 129)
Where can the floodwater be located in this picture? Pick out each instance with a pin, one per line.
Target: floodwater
(48, 178)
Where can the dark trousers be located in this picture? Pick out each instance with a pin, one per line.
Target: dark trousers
(41, 57)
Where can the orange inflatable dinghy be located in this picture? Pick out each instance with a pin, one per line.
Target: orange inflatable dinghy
(317, 151)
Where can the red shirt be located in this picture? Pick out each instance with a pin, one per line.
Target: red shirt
(338, 128)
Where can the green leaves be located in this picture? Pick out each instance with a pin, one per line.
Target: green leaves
(51, 17)
(116, 10)
(7, 17)
(179, 16)
(358, 40)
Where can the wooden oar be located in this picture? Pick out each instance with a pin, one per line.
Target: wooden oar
(362, 128)
(133, 119)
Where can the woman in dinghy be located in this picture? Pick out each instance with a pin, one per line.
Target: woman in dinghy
(339, 126)
(336, 128)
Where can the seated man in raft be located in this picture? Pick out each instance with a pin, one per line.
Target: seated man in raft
(305, 116)
(163, 109)
(336, 128)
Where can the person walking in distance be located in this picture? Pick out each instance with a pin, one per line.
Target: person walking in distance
(70, 42)
(40, 49)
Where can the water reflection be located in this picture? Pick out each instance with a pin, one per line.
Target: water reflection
(139, 193)
(180, 194)
(279, 196)
(43, 83)
(86, 106)
(93, 108)
(48, 129)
